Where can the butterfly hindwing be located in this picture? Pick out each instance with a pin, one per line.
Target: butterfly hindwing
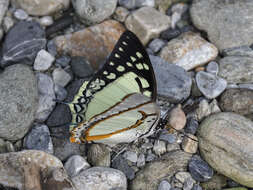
(127, 70)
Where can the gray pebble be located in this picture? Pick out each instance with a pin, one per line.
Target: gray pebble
(164, 185)
(39, 139)
(141, 160)
(61, 77)
(210, 85)
(167, 137)
(75, 164)
(51, 48)
(43, 61)
(81, 67)
(63, 61)
(120, 163)
(131, 156)
(156, 44)
(199, 169)
(60, 92)
(191, 125)
(20, 14)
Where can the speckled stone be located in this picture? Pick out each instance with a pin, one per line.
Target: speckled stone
(99, 155)
(121, 14)
(18, 100)
(177, 118)
(100, 178)
(189, 51)
(147, 23)
(91, 12)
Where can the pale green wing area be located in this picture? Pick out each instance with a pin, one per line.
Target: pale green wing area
(114, 93)
(125, 126)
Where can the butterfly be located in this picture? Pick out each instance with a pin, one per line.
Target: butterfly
(118, 105)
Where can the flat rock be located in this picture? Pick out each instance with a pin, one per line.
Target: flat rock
(210, 85)
(92, 42)
(172, 80)
(91, 12)
(41, 7)
(147, 23)
(189, 51)
(4, 4)
(237, 100)
(32, 169)
(236, 69)
(100, 178)
(222, 135)
(222, 20)
(150, 176)
(18, 100)
(22, 43)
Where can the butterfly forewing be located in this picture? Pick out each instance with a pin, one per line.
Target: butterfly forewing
(127, 71)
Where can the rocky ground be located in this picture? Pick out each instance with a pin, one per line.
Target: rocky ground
(202, 54)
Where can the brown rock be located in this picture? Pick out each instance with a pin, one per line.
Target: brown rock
(94, 43)
(177, 118)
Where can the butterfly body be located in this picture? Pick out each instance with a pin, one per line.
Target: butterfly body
(118, 104)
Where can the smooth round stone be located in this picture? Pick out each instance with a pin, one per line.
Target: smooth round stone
(212, 68)
(170, 33)
(121, 164)
(156, 44)
(81, 67)
(99, 155)
(75, 164)
(95, 11)
(39, 139)
(210, 85)
(28, 36)
(199, 169)
(191, 125)
(222, 135)
(18, 100)
(46, 21)
(20, 14)
(164, 185)
(61, 77)
(177, 118)
(43, 61)
(100, 178)
(172, 81)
